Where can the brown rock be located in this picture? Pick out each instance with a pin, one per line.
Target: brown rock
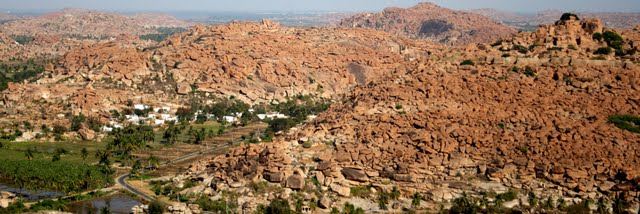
(354, 174)
(295, 182)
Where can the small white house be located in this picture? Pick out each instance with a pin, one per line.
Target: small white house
(117, 126)
(107, 129)
(230, 119)
(165, 116)
(140, 106)
(312, 117)
(169, 119)
(158, 122)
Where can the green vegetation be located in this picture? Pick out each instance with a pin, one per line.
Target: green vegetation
(277, 206)
(156, 207)
(383, 200)
(627, 122)
(467, 62)
(163, 33)
(18, 72)
(597, 36)
(555, 49)
(224, 205)
(613, 39)
(362, 192)
(23, 39)
(416, 199)
(50, 205)
(567, 16)
(521, 49)
(529, 72)
(351, 209)
(603, 51)
(60, 175)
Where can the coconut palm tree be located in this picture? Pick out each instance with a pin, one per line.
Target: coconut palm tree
(153, 161)
(29, 154)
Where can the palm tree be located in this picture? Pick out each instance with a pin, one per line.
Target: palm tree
(84, 154)
(29, 154)
(153, 161)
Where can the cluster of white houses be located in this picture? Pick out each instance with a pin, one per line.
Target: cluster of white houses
(159, 116)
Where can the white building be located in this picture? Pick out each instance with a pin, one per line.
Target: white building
(107, 129)
(230, 119)
(158, 122)
(140, 106)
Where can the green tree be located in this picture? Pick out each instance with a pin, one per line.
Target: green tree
(156, 207)
(136, 168)
(153, 161)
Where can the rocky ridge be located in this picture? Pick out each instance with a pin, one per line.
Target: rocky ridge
(429, 21)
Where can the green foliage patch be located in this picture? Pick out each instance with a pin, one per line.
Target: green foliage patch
(627, 122)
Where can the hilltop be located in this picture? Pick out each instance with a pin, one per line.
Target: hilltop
(432, 22)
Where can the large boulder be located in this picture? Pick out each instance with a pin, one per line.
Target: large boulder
(355, 174)
(6, 199)
(295, 182)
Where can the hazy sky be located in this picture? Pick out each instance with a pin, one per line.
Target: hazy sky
(318, 5)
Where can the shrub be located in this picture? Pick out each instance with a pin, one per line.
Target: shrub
(554, 49)
(515, 69)
(416, 199)
(279, 206)
(467, 62)
(281, 124)
(597, 36)
(307, 144)
(351, 209)
(627, 122)
(362, 192)
(156, 208)
(76, 122)
(603, 51)
(529, 72)
(612, 39)
(521, 49)
(383, 200)
(465, 204)
(567, 16)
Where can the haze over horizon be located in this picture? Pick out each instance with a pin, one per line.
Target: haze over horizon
(326, 5)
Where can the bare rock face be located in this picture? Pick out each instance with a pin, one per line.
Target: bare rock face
(6, 199)
(429, 21)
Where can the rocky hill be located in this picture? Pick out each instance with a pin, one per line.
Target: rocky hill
(429, 21)
(462, 123)
(253, 62)
(77, 22)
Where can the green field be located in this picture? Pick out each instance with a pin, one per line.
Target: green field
(46, 150)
